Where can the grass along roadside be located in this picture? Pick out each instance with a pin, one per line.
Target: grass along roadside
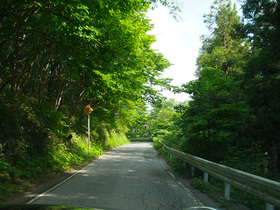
(31, 170)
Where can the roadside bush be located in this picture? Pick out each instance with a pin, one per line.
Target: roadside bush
(202, 185)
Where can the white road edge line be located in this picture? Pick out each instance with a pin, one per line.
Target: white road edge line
(191, 195)
(56, 186)
(196, 200)
(159, 159)
(154, 150)
(172, 175)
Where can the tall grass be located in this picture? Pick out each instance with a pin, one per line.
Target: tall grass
(114, 139)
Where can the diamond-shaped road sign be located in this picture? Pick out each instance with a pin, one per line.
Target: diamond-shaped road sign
(88, 110)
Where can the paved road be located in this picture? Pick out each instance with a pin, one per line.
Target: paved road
(130, 177)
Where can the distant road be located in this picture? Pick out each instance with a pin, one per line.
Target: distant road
(130, 177)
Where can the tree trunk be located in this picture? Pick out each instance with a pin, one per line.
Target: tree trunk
(60, 94)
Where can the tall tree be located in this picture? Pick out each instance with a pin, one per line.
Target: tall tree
(262, 75)
(65, 55)
(64, 52)
(216, 116)
(213, 121)
(161, 119)
(223, 49)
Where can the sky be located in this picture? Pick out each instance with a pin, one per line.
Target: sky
(179, 41)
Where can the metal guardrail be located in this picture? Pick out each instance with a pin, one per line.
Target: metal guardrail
(265, 189)
(141, 139)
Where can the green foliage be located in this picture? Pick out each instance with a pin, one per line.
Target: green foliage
(233, 115)
(142, 139)
(156, 144)
(223, 49)
(160, 119)
(82, 51)
(139, 119)
(202, 185)
(57, 57)
(215, 117)
(262, 76)
(157, 122)
(233, 106)
(40, 144)
(115, 139)
(8, 172)
(250, 201)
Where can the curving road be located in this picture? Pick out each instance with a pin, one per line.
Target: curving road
(130, 177)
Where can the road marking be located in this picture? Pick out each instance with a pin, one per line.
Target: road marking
(162, 164)
(56, 186)
(196, 200)
(172, 175)
(154, 151)
(190, 194)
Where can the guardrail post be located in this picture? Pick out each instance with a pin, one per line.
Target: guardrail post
(205, 176)
(184, 164)
(192, 170)
(227, 191)
(268, 206)
(263, 188)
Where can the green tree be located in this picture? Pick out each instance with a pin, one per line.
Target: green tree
(57, 57)
(162, 122)
(138, 121)
(262, 76)
(216, 117)
(87, 52)
(213, 121)
(223, 49)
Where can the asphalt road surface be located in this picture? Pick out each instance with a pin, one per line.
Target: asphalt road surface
(130, 177)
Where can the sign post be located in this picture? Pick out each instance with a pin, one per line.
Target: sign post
(88, 134)
(147, 129)
(88, 110)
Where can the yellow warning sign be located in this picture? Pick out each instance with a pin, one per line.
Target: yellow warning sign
(88, 110)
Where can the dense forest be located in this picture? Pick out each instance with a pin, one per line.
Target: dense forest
(56, 57)
(233, 116)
